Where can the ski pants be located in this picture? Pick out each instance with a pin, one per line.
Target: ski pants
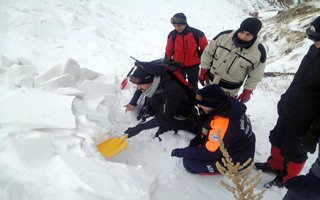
(192, 75)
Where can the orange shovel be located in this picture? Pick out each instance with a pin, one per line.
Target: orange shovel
(113, 146)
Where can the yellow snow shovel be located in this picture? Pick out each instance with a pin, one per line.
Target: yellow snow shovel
(113, 146)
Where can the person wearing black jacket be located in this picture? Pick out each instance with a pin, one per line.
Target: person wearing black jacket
(223, 115)
(298, 107)
(307, 187)
(166, 100)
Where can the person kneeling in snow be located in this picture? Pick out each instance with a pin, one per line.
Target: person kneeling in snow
(168, 102)
(221, 115)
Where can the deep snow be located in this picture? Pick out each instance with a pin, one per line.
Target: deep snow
(53, 114)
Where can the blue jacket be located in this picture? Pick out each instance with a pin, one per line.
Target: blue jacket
(235, 129)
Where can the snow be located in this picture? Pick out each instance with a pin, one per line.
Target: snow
(61, 66)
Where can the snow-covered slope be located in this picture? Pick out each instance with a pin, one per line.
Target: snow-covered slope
(61, 65)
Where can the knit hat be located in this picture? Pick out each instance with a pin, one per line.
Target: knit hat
(251, 25)
(179, 18)
(313, 31)
(140, 76)
(211, 96)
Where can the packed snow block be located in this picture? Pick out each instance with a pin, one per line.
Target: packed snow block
(23, 61)
(3, 69)
(70, 92)
(33, 152)
(49, 74)
(87, 74)
(5, 62)
(26, 80)
(18, 70)
(112, 180)
(21, 75)
(63, 81)
(94, 89)
(73, 68)
(36, 109)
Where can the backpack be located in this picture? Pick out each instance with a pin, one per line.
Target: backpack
(160, 67)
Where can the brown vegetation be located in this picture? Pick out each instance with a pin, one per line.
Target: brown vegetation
(244, 186)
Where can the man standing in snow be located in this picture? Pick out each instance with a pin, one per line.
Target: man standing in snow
(235, 58)
(298, 108)
(224, 115)
(166, 100)
(185, 45)
(307, 187)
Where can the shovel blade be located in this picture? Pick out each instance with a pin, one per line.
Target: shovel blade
(113, 146)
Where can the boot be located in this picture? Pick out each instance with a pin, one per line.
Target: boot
(293, 170)
(275, 161)
(265, 168)
(277, 181)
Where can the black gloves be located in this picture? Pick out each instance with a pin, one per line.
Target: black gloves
(177, 153)
(197, 141)
(132, 131)
(309, 143)
(310, 139)
(303, 187)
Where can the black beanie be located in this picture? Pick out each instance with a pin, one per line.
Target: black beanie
(251, 25)
(211, 96)
(313, 31)
(179, 18)
(140, 76)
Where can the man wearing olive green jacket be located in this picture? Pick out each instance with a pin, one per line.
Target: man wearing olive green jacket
(235, 58)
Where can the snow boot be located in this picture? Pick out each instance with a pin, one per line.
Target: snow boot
(277, 181)
(274, 163)
(265, 168)
(293, 170)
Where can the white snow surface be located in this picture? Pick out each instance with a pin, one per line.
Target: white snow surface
(61, 66)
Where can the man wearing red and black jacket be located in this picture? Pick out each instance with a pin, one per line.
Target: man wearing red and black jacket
(185, 45)
(225, 116)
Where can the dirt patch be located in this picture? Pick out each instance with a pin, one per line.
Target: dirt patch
(296, 12)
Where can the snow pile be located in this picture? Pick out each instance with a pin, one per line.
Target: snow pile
(52, 115)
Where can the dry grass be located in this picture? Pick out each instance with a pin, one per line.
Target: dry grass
(278, 32)
(242, 187)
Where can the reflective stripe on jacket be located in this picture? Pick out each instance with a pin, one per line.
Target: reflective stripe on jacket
(219, 127)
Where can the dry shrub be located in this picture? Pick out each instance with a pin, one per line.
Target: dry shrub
(244, 186)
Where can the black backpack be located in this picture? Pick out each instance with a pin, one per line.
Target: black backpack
(162, 66)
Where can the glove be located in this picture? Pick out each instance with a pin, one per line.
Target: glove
(304, 187)
(176, 153)
(309, 141)
(245, 96)
(132, 131)
(204, 76)
(197, 141)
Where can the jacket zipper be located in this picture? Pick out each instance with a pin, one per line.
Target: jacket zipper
(185, 49)
(231, 64)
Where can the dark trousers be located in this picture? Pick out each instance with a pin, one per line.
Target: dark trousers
(200, 166)
(192, 75)
(287, 133)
